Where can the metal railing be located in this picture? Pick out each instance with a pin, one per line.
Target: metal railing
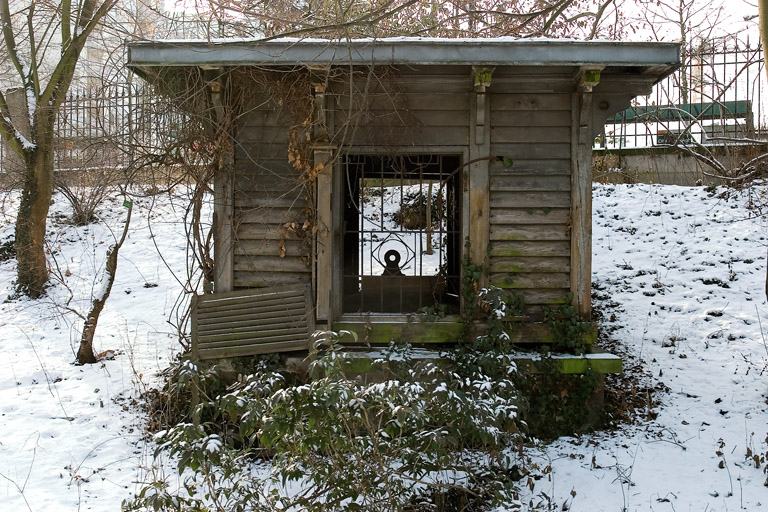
(102, 128)
(716, 96)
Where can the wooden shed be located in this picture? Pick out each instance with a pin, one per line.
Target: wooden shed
(367, 179)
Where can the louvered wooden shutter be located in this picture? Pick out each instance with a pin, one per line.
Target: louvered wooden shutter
(251, 322)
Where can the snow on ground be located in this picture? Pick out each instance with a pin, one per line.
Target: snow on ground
(686, 267)
(70, 439)
(688, 270)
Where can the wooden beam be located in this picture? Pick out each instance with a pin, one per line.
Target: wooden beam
(322, 161)
(581, 200)
(223, 189)
(479, 169)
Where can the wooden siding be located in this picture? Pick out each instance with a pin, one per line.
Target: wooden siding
(531, 196)
(403, 110)
(268, 197)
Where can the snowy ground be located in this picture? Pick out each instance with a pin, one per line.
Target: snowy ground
(70, 438)
(687, 270)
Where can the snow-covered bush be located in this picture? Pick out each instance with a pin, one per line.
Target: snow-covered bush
(431, 430)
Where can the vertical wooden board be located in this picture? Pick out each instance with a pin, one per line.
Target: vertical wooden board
(223, 247)
(324, 241)
(479, 180)
(581, 203)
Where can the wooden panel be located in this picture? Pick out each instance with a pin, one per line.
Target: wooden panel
(245, 279)
(279, 179)
(520, 166)
(522, 183)
(537, 102)
(530, 215)
(261, 151)
(261, 231)
(269, 247)
(510, 249)
(401, 101)
(531, 280)
(389, 118)
(544, 296)
(253, 135)
(530, 199)
(268, 215)
(252, 322)
(546, 151)
(530, 264)
(581, 190)
(270, 263)
(291, 200)
(530, 118)
(406, 136)
(530, 232)
(503, 135)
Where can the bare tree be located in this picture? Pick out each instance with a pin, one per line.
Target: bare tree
(585, 19)
(42, 43)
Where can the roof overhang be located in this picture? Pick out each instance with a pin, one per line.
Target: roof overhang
(656, 58)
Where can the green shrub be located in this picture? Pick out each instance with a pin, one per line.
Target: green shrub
(433, 430)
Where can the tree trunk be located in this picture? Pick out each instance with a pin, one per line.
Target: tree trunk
(85, 354)
(763, 11)
(32, 273)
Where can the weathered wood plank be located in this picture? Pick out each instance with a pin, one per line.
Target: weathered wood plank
(213, 326)
(398, 118)
(538, 248)
(546, 297)
(538, 102)
(401, 101)
(581, 210)
(530, 199)
(530, 118)
(245, 279)
(263, 135)
(291, 200)
(269, 215)
(479, 180)
(236, 336)
(531, 264)
(539, 167)
(543, 215)
(250, 152)
(262, 231)
(254, 263)
(531, 280)
(269, 247)
(265, 182)
(251, 321)
(549, 151)
(255, 349)
(530, 232)
(221, 311)
(324, 240)
(408, 136)
(530, 134)
(526, 183)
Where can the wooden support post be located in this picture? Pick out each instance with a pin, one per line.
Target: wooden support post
(581, 192)
(479, 169)
(322, 156)
(223, 190)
